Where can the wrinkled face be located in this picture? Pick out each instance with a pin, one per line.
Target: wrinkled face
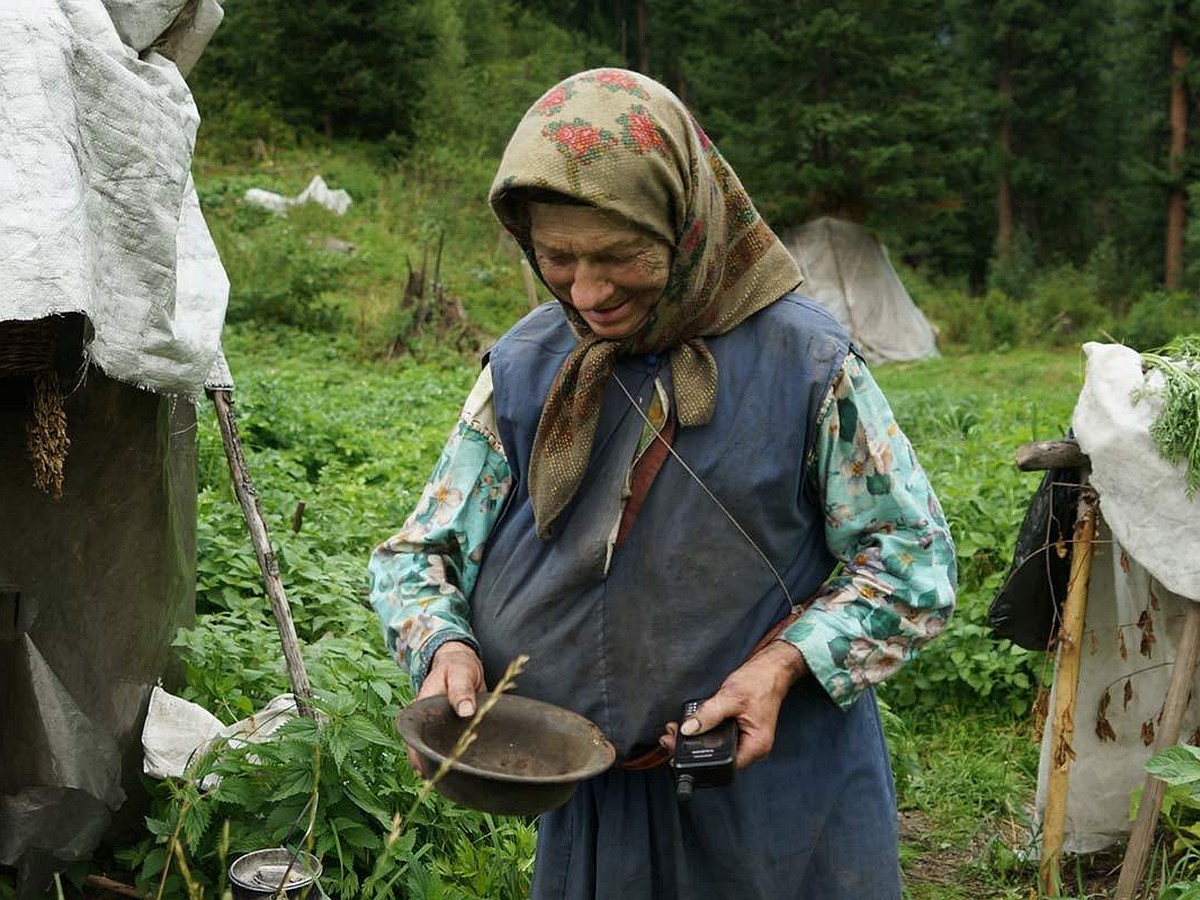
(611, 272)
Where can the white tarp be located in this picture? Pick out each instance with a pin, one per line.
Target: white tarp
(848, 272)
(100, 213)
(336, 201)
(1145, 570)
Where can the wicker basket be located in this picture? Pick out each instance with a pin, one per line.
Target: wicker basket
(27, 346)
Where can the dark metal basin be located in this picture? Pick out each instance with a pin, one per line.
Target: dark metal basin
(527, 757)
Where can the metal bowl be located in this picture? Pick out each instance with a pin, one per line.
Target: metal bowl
(527, 756)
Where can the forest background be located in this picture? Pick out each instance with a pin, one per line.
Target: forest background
(1029, 166)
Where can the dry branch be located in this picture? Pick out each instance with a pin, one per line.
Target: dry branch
(243, 486)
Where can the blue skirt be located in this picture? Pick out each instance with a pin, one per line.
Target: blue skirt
(815, 820)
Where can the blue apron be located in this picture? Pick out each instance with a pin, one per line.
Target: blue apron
(624, 640)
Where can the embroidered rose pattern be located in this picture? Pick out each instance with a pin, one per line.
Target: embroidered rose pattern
(615, 81)
(554, 99)
(579, 140)
(640, 132)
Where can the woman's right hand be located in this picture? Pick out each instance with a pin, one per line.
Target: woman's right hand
(457, 672)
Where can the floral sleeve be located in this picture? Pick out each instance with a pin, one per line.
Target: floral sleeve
(422, 577)
(895, 590)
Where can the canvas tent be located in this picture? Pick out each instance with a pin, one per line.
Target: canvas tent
(112, 300)
(848, 272)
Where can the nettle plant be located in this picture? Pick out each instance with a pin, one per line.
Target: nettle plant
(341, 789)
(1179, 768)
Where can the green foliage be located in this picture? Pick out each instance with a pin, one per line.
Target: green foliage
(1157, 318)
(1179, 768)
(353, 769)
(342, 67)
(1176, 428)
(1064, 308)
(1061, 306)
(965, 438)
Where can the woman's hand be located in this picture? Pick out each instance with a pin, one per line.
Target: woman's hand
(752, 694)
(457, 672)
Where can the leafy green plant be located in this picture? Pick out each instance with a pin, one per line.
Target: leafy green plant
(344, 783)
(1176, 428)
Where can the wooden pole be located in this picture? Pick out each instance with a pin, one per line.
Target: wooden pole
(1137, 852)
(243, 486)
(1066, 685)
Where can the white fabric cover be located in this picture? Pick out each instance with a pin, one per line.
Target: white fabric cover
(100, 213)
(848, 272)
(1142, 496)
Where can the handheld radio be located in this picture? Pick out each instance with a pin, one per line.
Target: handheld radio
(704, 760)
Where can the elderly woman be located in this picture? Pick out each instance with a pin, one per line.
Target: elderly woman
(677, 481)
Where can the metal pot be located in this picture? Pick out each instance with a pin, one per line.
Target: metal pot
(257, 875)
(527, 756)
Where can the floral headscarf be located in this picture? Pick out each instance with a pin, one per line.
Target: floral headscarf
(623, 143)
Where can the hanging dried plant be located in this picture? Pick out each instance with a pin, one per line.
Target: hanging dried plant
(1041, 709)
(1145, 624)
(46, 434)
(1104, 729)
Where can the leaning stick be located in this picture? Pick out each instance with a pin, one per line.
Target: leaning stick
(1137, 852)
(1066, 686)
(243, 486)
(114, 887)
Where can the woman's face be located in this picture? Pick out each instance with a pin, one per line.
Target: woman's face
(611, 272)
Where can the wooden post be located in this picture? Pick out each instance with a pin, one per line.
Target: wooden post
(260, 537)
(1137, 852)
(1066, 685)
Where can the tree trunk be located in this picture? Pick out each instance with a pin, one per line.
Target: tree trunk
(1004, 202)
(643, 38)
(1177, 202)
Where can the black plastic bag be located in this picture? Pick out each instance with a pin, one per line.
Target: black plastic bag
(1026, 609)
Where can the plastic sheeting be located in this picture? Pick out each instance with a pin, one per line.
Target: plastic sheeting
(336, 201)
(177, 732)
(848, 272)
(1026, 609)
(101, 216)
(1145, 569)
(1130, 634)
(98, 583)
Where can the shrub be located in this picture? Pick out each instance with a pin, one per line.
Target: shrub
(1157, 317)
(1064, 308)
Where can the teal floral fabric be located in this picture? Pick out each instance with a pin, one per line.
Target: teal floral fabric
(893, 592)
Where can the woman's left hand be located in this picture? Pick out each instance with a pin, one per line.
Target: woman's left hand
(752, 694)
